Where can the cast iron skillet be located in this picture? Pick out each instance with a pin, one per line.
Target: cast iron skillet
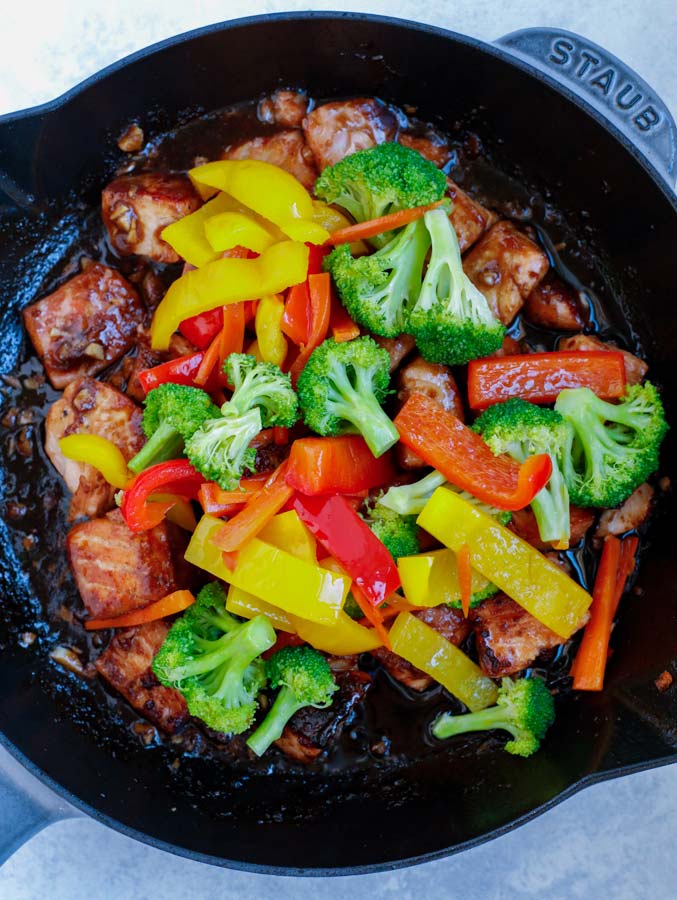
(562, 115)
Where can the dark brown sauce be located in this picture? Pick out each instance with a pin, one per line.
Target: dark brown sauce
(391, 729)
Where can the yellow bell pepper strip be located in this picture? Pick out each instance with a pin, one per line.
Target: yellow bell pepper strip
(271, 342)
(225, 281)
(291, 584)
(100, 453)
(510, 563)
(433, 654)
(237, 229)
(187, 236)
(180, 512)
(270, 191)
(429, 579)
(287, 531)
(343, 638)
(240, 603)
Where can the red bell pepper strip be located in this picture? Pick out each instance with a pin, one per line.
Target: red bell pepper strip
(539, 377)
(297, 313)
(352, 543)
(177, 371)
(201, 330)
(444, 442)
(336, 465)
(341, 325)
(173, 603)
(176, 476)
(229, 340)
(363, 230)
(319, 287)
(256, 514)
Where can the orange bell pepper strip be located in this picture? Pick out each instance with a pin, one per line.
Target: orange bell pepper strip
(319, 288)
(336, 465)
(590, 663)
(364, 230)
(256, 514)
(539, 377)
(444, 442)
(229, 340)
(464, 577)
(217, 502)
(167, 606)
(297, 314)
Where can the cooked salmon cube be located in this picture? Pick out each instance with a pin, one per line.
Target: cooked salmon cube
(91, 407)
(135, 209)
(286, 149)
(469, 218)
(631, 514)
(508, 638)
(553, 304)
(338, 129)
(505, 265)
(126, 665)
(117, 571)
(432, 146)
(635, 368)
(284, 107)
(524, 524)
(85, 325)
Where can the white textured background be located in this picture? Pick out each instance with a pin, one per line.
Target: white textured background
(614, 840)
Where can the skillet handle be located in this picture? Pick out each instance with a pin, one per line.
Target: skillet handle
(607, 84)
(26, 805)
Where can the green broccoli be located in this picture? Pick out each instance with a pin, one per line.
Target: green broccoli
(523, 429)
(614, 446)
(525, 708)
(381, 180)
(451, 320)
(409, 499)
(341, 389)
(213, 659)
(398, 533)
(305, 679)
(263, 397)
(378, 290)
(172, 413)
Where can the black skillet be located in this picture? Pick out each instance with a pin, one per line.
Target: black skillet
(598, 146)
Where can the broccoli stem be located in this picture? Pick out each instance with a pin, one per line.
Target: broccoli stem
(286, 704)
(165, 443)
(484, 720)
(551, 510)
(359, 406)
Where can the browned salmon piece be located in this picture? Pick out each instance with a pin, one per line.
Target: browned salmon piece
(505, 265)
(85, 325)
(469, 218)
(508, 637)
(398, 348)
(635, 368)
(284, 107)
(523, 524)
(135, 209)
(553, 304)
(127, 378)
(286, 149)
(510, 347)
(91, 407)
(449, 622)
(431, 145)
(117, 571)
(125, 664)
(630, 514)
(338, 129)
(312, 731)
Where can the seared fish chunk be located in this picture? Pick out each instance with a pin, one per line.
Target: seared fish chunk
(338, 129)
(286, 149)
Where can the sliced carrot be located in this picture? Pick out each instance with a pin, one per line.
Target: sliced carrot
(464, 577)
(372, 614)
(341, 325)
(209, 361)
(217, 502)
(319, 288)
(364, 230)
(256, 514)
(230, 339)
(167, 606)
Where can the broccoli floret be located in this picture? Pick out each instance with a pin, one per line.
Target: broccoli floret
(614, 447)
(378, 290)
(172, 413)
(451, 320)
(523, 429)
(525, 708)
(305, 679)
(263, 397)
(381, 180)
(341, 389)
(398, 533)
(409, 499)
(213, 659)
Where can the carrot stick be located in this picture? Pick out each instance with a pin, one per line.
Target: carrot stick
(217, 502)
(341, 325)
(372, 614)
(230, 339)
(464, 577)
(369, 229)
(167, 606)
(590, 662)
(256, 514)
(209, 360)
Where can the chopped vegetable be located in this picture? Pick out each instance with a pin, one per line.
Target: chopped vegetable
(217, 502)
(237, 229)
(319, 312)
(287, 531)
(229, 340)
(539, 377)
(429, 579)
(177, 371)
(399, 534)
(241, 603)
(443, 441)
(214, 660)
(410, 499)
(341, 390)
(366, 230)
(202, 329)
(524, 708)
(305, 679)
(176, 476)
(433, 654)
(336, 465)
(513, 565)
(187, 236)
(173, 603)
(343, 638)
(614, 446)
(271, 340)
(100, 453)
